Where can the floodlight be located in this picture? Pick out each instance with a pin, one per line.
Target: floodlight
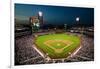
(37, 24)
(40, 13)
(77, 19)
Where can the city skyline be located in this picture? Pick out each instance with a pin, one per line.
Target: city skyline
(55, 14)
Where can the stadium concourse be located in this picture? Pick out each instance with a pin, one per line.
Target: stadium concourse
(25, 53)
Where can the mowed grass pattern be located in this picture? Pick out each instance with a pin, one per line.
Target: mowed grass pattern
(57, 45)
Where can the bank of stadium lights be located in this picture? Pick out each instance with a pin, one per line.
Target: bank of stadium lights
(36, 24)
(77, 19)
(40, 13)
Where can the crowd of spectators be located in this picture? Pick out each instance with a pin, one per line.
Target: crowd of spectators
(86, 53)
(26, 54)
(24, 50)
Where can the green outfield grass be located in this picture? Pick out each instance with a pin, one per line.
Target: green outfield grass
(57, 45)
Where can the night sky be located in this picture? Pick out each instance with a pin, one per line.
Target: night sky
(55, 14)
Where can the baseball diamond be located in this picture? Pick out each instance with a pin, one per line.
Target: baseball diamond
(57, 45)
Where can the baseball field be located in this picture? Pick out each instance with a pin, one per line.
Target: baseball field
(57, 46)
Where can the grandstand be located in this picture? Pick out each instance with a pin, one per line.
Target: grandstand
(26, 54)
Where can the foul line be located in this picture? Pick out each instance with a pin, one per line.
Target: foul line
(38, 51)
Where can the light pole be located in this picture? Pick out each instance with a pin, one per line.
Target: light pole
(40, 13)
(40, 17)
(77, 20)
(65, 26)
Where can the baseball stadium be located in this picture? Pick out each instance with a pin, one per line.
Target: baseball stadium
(53, 34)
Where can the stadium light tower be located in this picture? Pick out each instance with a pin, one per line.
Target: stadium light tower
(40, 13)
(77, 19)
(40, 17)
(65, 27)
